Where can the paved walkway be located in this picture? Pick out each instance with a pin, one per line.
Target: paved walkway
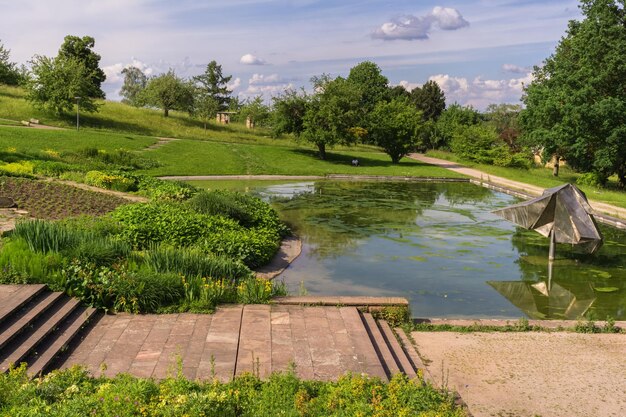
(609, 209)
(322, 342)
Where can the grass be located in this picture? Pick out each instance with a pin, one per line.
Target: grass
(542, 177)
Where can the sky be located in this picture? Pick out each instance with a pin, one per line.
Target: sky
(479, 51)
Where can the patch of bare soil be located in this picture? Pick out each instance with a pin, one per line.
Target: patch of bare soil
(530, 374)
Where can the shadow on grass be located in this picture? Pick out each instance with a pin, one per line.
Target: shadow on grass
(346, 159)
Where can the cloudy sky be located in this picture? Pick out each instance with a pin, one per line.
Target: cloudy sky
(479, 51)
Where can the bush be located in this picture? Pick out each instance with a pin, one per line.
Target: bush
(19, 265)
(18, 169)
(591, 179)
(145, 224)
(255, 247)
(160, 190)
(110, 181)
(53, 168)
(193, 262)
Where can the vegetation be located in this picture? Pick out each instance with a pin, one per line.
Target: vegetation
(9, 72)
(394, 126)
(81, 50)
(75, 392)
(135, 82)
(575, 106)
(168, 92)
(214, 84)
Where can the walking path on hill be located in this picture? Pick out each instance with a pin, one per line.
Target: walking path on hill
(609, 209)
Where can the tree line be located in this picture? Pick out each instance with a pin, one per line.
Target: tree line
(574, 109)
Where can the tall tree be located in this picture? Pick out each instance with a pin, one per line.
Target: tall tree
(576, 104)
(505, 118)
(372, 86)
(81, 50)
(205, 108)
(429, 99)
(395, 127)
(214, 83)
(168, 92)
(9, 72)
(332, 114)
(56, 82)
(288, 110)
(135, 82)
(453, 119)
(255, 110)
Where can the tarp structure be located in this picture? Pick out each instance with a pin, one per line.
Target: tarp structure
(564, 210)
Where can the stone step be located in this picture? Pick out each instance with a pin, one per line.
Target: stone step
(409, 348)
(26, 343)
(380, 345)
(397, 350)
(31, 312)
(347, 301)
(39, 362)
(14, 297)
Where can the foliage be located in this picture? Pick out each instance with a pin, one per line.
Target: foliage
(255, 247)
(109, 182)
(191, 262)
(256, 111)
(332, 112)
(576, 103)
(288, 111)
(591, 179)
(505, 119)
(135, 82)
(56, 82)
(214, 84)
(394, 126)
(454, 119)
(9, 73)
(205, 107)
(366, 77)
(429, 99)
(394, 315)
(160, 190)
(168, 92)
(80, 49)
(75, 392)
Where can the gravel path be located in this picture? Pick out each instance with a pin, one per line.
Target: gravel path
(530, 374)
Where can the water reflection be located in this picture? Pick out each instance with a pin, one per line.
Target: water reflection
(439, 245)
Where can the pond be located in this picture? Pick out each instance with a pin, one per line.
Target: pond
(439, 245)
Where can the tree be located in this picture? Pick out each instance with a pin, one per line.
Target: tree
(395, 127)
(9, 72)
(168, 92)
(215, 84)
(135, 82)
(505, 119)
(288, 110)
(398, 91)
(56, 82)
(429, 99)
(453, 119)
(332, 115)
(205, 108)
(373, 87)
(256, 111)
(576, 104)
(81, 50)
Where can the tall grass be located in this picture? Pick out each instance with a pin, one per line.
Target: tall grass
(194, 263)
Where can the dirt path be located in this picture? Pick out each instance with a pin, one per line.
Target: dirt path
(609, 209)
(160, 143)
(530, 374)
(130, 197)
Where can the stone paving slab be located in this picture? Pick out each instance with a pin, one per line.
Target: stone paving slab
(321, 342)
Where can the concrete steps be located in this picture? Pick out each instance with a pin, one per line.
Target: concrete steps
(36, 326)
(396, 356)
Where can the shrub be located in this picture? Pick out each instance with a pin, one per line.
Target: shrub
(160, 190)
(255, 247)
(259, 291)
(19, 265)
(53, 168)
(591, 179)
(18, 169)
(145, 224)
(110, 181)
(193, 262)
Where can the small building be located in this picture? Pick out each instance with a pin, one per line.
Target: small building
(223, 117)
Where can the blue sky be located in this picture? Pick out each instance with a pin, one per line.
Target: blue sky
(479, 51)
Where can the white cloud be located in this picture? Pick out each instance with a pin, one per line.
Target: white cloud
(267, 86)
(409, 27)
(516, 69)
(249, 59)
(408, 86)
(234, 84)
(480, 92)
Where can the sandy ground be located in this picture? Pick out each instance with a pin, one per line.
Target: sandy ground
(530, 374)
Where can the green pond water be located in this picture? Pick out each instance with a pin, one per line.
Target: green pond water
(439, 245)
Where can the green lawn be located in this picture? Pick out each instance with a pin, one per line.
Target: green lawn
(542, 177)
(188, 157)
(30, 139)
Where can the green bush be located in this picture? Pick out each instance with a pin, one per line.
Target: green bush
(193, 262)
(18, 169)
(145, 224)
(74, 392)
(53, 168)
(161, 190)
(110, 181)
(255, 247)
(19, 265)
(591, 179)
